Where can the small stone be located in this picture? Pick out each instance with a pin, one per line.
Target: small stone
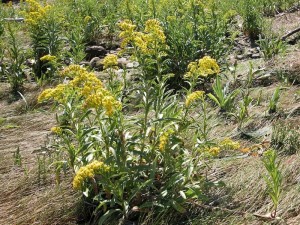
(135, 64)
(129, 65)
(96, 63)
(84, 63)
(239, 57)
(255, 56)
(122, 62)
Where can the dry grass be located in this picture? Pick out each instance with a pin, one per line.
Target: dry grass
(23, 200)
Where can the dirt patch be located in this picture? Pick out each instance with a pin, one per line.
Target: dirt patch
(285, 22)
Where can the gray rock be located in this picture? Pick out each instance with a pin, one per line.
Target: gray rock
(96, 63)
(122, 62)
(255, 56)
(95, 51)
(239, 57)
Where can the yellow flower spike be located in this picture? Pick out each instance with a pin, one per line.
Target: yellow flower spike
(193, 97)
(45, 95)
(50, 58)
(164, 140)
(208, 66)
(111, 105)
(110, 61)
(229, 144)
(214, 151)
(88, 171)
(153, 27)
(202, 68)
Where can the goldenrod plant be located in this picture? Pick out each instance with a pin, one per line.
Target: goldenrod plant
(123, 162)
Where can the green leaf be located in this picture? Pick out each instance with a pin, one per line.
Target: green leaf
(178, 207)
(107, 215)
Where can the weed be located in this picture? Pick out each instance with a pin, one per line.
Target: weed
(273, 179)
(242, 114)
(17, 157)
(14, 69)
(271, 46)
(222, 97)
(274, 101)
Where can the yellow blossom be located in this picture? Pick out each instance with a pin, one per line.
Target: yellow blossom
(35, 13)
(56, 130)
(229, 144)
(202, 68)
(193, 97)
(214, 151)
(49, 58)
(110, 61)
(111, 105)
(164, 139)
(208, 66)
(88, 171)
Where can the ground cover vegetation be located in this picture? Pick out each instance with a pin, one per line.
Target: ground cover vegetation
(161, 112)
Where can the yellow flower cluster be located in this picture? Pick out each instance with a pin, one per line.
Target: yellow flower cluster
(35, 12)
(164, 139)
(210, 150)
(57, 94)
(214, 151)
(148, 41)
(56, 130)
(72, 71)
(49, 58)
(87, 87)
(228, 144)
(127, 32)
(202, 68)
(88, 171)
(193, 97)
(110, 61)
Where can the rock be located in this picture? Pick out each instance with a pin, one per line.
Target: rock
(248, 53)
(255, 56)
(95, 51)
(122, 62)
(239, 57)
(96, 63)
(84, 63)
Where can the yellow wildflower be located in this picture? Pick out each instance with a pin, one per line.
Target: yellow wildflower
(229, 144)
(56, 130)
(202, 68)
(127, 32)
(88, 171)
(111, 105)
(214, 151)
(155, 31)
(35, 12)
(72, 71)
(45, 95)
(49, 58)
(164, 139)
(110, 61)
(193, 97)
(208, 66)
